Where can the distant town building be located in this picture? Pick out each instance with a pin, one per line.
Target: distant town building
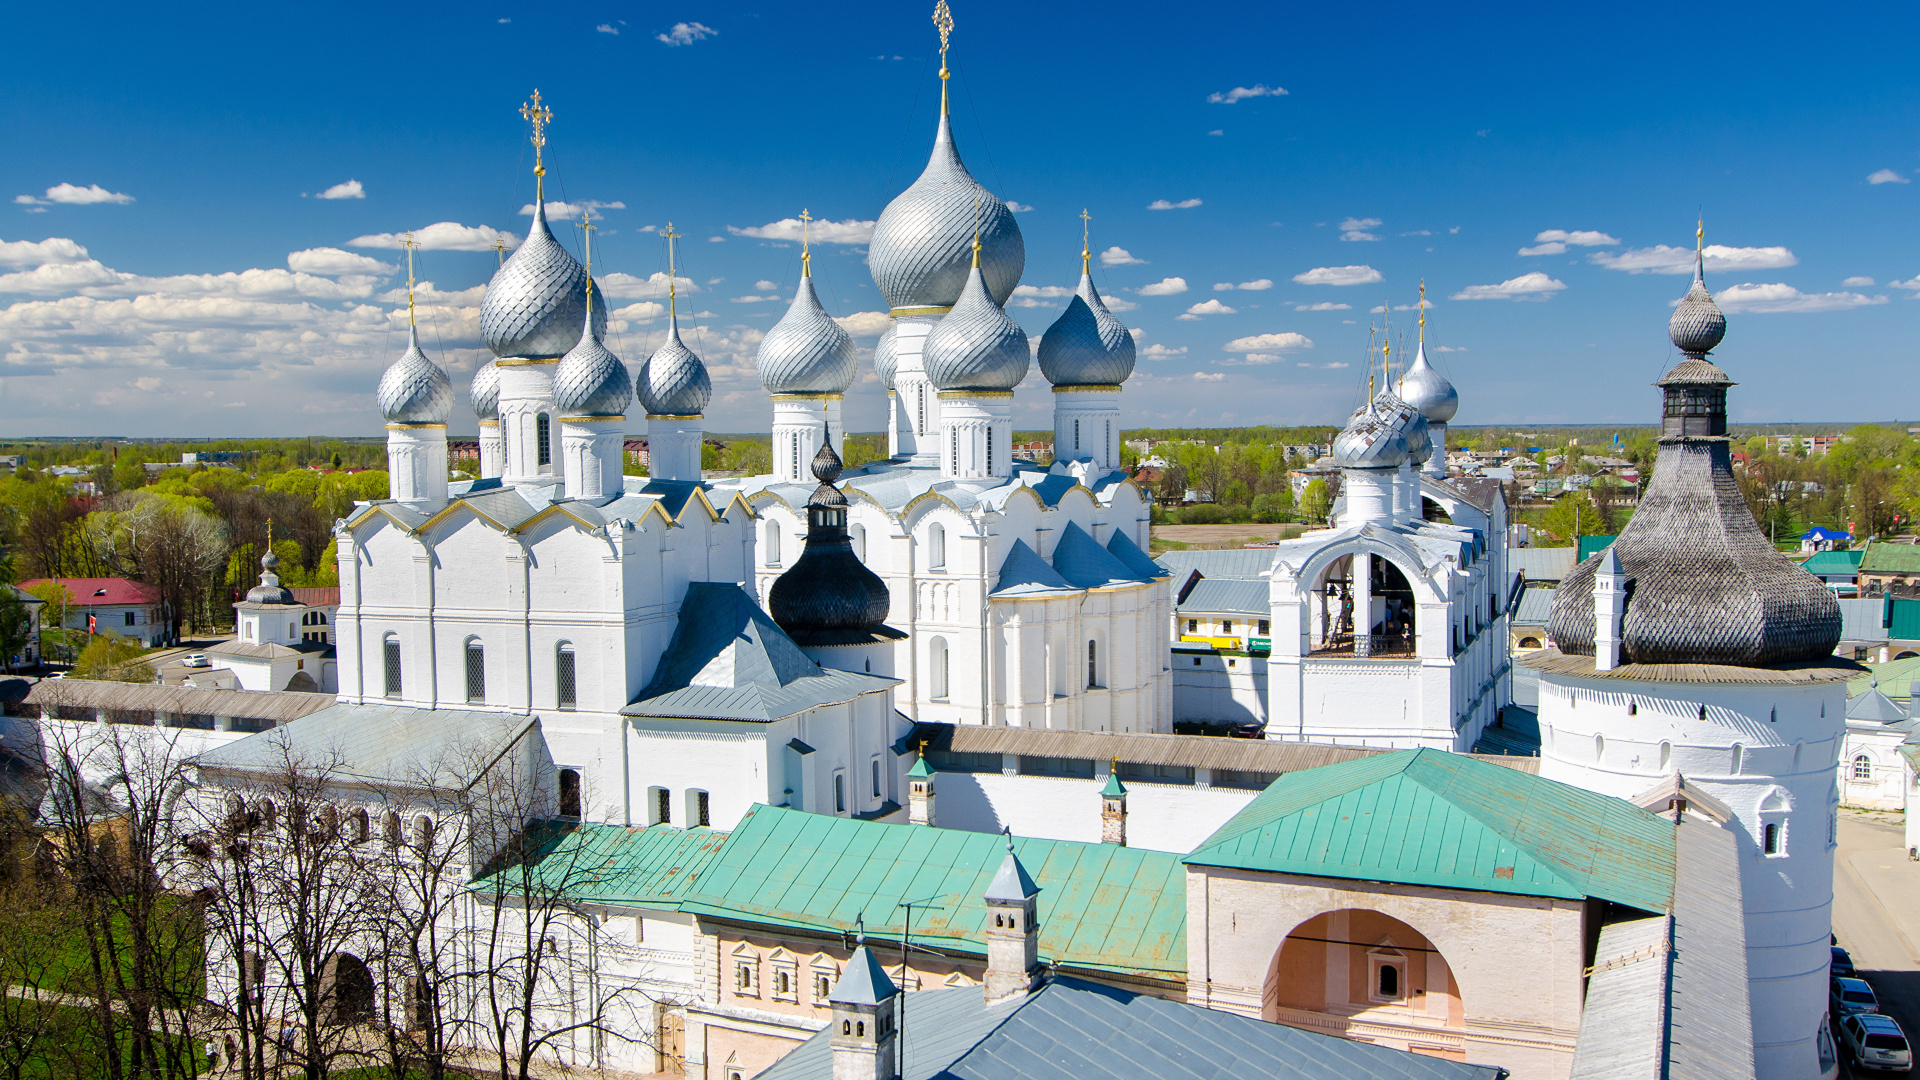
(116, 605)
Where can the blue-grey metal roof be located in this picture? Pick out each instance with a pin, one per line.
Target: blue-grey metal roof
(1025, 573)
(1541, 563)
(864, 982)
(1874, 707)
(384, 743)
(1074, 1030)
(1535, 605)
(1228, 596)
(1135, 560)
(1011, 882)
(1863, 619)
(1231, 563)
(728, 660)
(1082, 561)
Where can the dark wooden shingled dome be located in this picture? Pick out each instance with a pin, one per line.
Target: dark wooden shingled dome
(829, 597)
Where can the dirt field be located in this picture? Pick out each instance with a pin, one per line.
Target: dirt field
(1223, 536)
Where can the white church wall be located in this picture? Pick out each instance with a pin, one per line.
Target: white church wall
(729, 765)
(1160, 817)
(1216, 688)
(1871, 772)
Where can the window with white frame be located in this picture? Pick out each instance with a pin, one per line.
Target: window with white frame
(746, 972)
(771, 540)
(840, 792)
(937, 668)
(1863, 767)
(1386, 974)
(390, 649)
(936, 546)
(476, 671)
(564, 675)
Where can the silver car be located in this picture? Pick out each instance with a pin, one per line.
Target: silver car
(1852, 996)
(1874, 1041)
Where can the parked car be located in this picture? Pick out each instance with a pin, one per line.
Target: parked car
(1842, 963)
(1872, 1041)
(1849, 996)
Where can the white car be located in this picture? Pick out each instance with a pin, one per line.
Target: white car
(198, 659)
(1875, 1042)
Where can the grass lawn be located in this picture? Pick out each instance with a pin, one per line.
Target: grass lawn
(72, 1051)
(74, 965)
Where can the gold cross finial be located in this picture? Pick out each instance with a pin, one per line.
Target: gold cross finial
(806, 255)
(586, 226)
(1086, 242)
(539, 116)
(1423, 311)
(976, 221)
(1386, 347)
(269, 535)
(672, 298)
(500, 249)
(943, 20)
(407, 241)
(1700, 234)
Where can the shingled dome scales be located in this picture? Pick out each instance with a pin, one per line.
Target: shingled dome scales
(1703, 585)
(829, 597)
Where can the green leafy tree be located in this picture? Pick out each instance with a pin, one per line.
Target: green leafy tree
(112, 657)
(16, 625)
(1316, 500)
(1571, 515)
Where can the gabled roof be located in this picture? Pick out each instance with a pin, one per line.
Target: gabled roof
(1233, 563)
(1124, 549)
(728, 660)
(1231, 596)
(1424, 817)
(1083, 562)
(1886, 558)
(1104, 907)
(102, 591)
(654, 867)
(1893, 678)
(1025, 573)
(1535, 606)
(393, 744)
(1833, 563)
(1075, 1030)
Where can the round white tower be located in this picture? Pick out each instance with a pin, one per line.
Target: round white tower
(485, 395)
(416, 398)
(1086, 354)
(806, 362)
(1692, 648)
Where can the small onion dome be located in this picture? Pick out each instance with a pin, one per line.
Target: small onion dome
(976, 346)
(922, 242)
(1369, 442)
(673, 381)
(886, 356)
(1405, 419)
(486, 392)
(1429, 391)
(1086, 345)
(806, 352)
(590, 380)
(270, 591)
(414, 390)
(1697, 326)
(536, 300)
(829, 597)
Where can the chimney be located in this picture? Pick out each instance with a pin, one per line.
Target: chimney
(920, 790)
(1113, 809)
(1609, 609)
(865, 1041)
(1013, 937)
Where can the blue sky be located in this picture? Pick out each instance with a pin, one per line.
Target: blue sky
(167, 266)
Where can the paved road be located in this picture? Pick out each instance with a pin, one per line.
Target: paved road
(1876, 911)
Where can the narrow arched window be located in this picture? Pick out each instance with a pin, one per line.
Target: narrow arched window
(570, 793)
(1093, 664)
(859, 536)
(937, 667)
(543, 438)
(563, 675)
(1666, 755)
(422, 835)
(1863, 768)
(772, 540)
(390, 829)
(476, 671)
(1739, 758)
(936, 546)
(360, 830)
(1599, 747)
(390, 647)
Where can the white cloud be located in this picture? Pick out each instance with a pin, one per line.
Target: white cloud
(654, 287)
(763, 285)
(1887, 176)
(1257, 285)
(754, 299)
(1209, 376)
(1534, 286)
(424, 292)
(1119, 303)
(1338, 275)
(609, 28)
(865, 323)
(1217, 131)
(1553, 247)
(73, 195)
(1358, 236)
(1448, 348)
(1119, 256)
(1183, 204)
(351, 189)
(442, 236)
(644, 312)
(1211, 307)
(54, 249)
(1017, 206)
(1163, 352)
(687, 33)
(1777, 298)
(1353, 223)
(1324, 305)
(1269, 343)
(1172, 286)
(1335, 364)
(1418, 232)
(563, 210)
(1857, 282)
(1578, 238)
(822, 231)
(1241, 93)
(332, 262)
(1661, 259)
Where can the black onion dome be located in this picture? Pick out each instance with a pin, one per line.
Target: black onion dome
(829, 597)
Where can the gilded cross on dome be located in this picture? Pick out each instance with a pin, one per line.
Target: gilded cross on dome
(806, 256)
(539, 116)
(943, 21)
(406, 241)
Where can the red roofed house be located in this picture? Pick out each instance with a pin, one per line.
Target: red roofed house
(125, 607)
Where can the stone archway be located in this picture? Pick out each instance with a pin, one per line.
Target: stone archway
(1363, 974)
(346, 990)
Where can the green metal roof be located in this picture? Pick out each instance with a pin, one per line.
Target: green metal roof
(1894, 678)
(1114, 788)
(1891, 558)
(1833, 563)
(1102, 906)
(655, 867)
(1424, 817)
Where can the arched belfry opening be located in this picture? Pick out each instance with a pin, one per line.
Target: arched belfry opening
(1359, 967)
(1363, 605)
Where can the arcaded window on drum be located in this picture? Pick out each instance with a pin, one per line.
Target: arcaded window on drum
(391, 649)
(563, 675)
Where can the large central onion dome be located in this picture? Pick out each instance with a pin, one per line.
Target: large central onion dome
(485, 393)
(886, 356)
(1369, 442)
(673, 381)
(829, 597)
(806, 352)
(590, 380)
(976, 346)
(1402, 417)
(536, 300)
(920, 247)
(1427, 390)
(414, 390)
(1086, 345)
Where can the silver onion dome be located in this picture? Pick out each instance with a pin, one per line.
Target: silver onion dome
(1086, 345)
(886, 355)
(1697, 325)
(537, 299)
(673, 381)
(1429, 391)
(270, 591)
(806, 352)
(590, 380)
(976, 346)
(486, 392)
(1369, 442)
(922, 243)
(1402, 417)
(414, 390)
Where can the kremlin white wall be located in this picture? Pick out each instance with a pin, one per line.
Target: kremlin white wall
(1160, 817)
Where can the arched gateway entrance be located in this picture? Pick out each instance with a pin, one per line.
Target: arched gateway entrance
(1365, 975)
